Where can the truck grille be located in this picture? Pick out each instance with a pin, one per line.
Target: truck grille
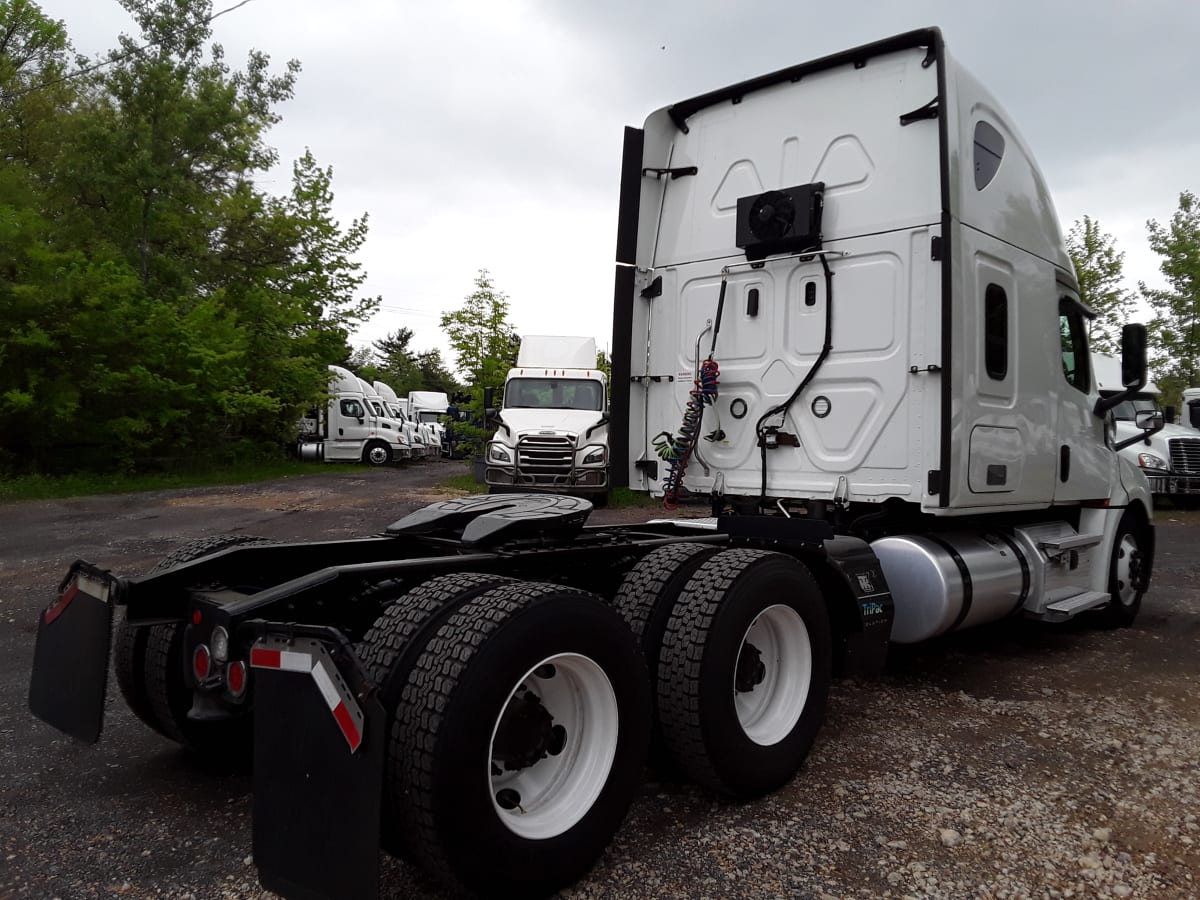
(1185, 455)
(545, 460)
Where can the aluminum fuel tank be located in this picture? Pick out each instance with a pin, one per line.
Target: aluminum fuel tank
(949, 581)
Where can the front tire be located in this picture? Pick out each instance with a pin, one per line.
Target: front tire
(377, 453)
(744, 672)
(1129, 569)
(523, 729)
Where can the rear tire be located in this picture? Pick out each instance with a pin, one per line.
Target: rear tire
(744, 672)
(390, 649)
(646, 600)
(148, 660)
(512, 795)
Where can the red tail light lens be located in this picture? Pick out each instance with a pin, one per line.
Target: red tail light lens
(201, 662)
(235, 678)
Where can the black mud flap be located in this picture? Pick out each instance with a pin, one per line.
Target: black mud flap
(318, 768)
(70, 659)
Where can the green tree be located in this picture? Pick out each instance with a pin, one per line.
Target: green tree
(484, 346)
(483, 341)
(1098, 266)
(397, 362)
(1175, 328)
(153, 302)
(434, 376)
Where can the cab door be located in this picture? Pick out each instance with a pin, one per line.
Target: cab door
(347, 428)
(1085, 465)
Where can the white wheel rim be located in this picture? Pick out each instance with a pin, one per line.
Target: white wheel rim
(771, 708)
(1126, 549)
(559, 790)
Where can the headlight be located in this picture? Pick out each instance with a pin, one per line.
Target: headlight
(498, 453)
(1152, 461)
(594, 456)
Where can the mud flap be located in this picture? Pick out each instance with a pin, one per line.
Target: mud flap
(70, 658)
(319, 737)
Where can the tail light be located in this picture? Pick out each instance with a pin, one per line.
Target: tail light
(201, 662)
(235, 678)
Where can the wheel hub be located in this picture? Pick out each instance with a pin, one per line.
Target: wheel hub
(750, 669)
(526, 734)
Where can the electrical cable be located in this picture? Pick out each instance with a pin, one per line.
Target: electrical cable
(677, 449)
(782, 408)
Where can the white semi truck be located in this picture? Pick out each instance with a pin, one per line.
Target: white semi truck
(844, 316)
(552, 426)
(421, 435)
(348, 428)
(429, 407)
(1168, 453)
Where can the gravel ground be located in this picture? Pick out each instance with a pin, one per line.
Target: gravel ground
(1012, 761)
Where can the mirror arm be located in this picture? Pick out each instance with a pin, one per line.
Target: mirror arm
(1144, 436)
(1104, 404)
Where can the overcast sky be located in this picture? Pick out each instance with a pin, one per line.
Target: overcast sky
(488, 134)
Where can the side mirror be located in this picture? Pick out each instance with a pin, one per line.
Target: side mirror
(1149, 420)
(1169, 414)
(1133, 356)
(489, 397)
(1133, 368)
(360, 420)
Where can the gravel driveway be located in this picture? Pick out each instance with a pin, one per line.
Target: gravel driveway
(1013, 761)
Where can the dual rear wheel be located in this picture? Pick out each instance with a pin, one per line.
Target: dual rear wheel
(520, 717)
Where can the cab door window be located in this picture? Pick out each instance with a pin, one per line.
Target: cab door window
(1072, 327)
(353, 409)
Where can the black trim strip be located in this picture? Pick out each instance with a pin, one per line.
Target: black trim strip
(1026, 576)
(968, 589)
(949, 245)
(623, 299)
(925, 37)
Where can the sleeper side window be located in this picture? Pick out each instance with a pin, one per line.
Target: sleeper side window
(995, 332)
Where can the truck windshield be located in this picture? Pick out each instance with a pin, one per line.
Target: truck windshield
(1127, 411)
(428, 416)
(553, 393)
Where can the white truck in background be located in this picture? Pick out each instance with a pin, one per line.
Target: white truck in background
(847, 279)
(1189, 416)
(349, 429)
(425, 444)
(552, 426)
(429, 408)
(387, 420)
(1168, 453)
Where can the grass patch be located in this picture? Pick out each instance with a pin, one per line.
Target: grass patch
(624, 498)
(465, 483)
(45, 487)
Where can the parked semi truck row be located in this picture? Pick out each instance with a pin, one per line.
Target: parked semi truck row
(845, 315)
(360, 422)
